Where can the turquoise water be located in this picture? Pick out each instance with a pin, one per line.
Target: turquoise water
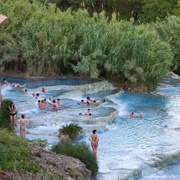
(134, 149)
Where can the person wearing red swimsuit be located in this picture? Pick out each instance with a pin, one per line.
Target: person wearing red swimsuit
(94, 139)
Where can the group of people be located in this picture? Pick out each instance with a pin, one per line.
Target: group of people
(22, 121)
(55, 104)
(131, 115)
(42, 105)
(43, 102)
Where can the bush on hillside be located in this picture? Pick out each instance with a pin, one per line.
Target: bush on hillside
(4, 114)
(79, 151)
(14, 154)
(72, 130)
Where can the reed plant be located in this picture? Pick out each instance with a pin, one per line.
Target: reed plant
(168, 31)
(72, 130)
(45, 41)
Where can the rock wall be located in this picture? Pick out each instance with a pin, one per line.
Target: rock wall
(64, 167)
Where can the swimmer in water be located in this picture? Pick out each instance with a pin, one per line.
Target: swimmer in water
(141, 115)
(131, 115)
(54, 104)
(91, 100)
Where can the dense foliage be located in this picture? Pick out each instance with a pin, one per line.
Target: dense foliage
(145, 11)
(169, 31)
(4, 114)
(73, 130)
(42, 40)
(80, 151)
(14, 154)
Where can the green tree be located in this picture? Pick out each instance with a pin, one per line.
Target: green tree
(156, 9)
(168, 31)
(176, 9)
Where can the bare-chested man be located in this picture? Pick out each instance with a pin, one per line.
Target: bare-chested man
(43, 90)
(23, 122)
(58, 102)
(42, 104)
(88, 112)
(54, 104)
(131, 115)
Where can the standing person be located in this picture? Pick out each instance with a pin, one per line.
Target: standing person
(23, 122)
(94, 139)
(12, 114)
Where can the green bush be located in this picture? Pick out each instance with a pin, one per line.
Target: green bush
(168, 31)
(72, 130)
(80, 151)
(14, 154)
(4, 114)
(15, 158)
(49, 42)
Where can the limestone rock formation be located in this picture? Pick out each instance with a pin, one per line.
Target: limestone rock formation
(64, 167)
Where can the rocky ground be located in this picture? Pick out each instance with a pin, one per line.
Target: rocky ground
(60, 167)
(64, 167)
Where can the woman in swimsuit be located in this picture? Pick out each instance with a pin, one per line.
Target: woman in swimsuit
(23, 121)
(12, 114)
(94, 141)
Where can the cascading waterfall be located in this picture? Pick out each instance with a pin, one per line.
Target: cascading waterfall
(128, 148)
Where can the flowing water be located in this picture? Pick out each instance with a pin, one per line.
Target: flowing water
(132, 149)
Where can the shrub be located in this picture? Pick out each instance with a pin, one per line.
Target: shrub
(4, 114)
(42, 143)
(14, 154)
(73, 130)
(80, 151)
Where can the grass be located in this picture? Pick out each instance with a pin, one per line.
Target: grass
(4, 114)
(79, 151)
(14, 154)
(16, 159)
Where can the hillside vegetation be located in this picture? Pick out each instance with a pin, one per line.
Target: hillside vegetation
(24, 159)
(41, 40)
